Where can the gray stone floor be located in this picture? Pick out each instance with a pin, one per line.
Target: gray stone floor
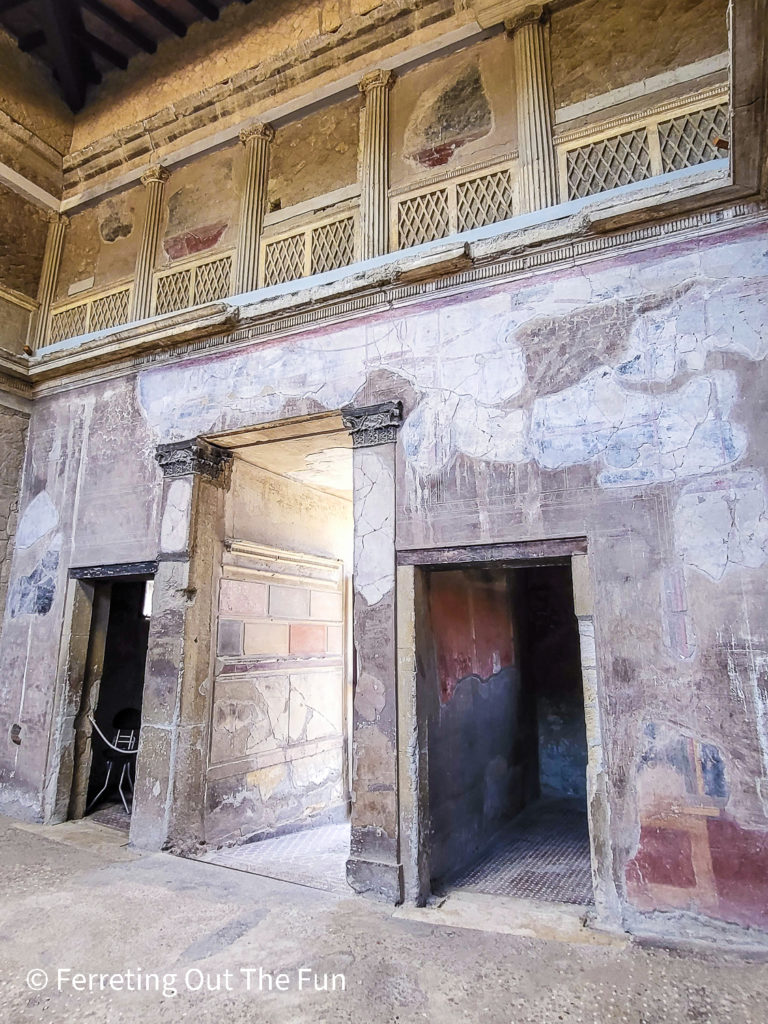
(314, 856)
(541, 854)
(74, 897)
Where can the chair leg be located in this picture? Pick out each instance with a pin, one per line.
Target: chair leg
(103, 789)
(120, 788)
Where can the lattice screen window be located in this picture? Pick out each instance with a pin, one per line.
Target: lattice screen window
(333, 245)
(423, 218)
(212, 280)
(173, 292)
(69, 323)
(484, 200)
(110, 310)
(687, 140)
(608, 163)
(284, 260)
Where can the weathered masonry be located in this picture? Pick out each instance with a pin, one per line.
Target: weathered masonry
(381, 442)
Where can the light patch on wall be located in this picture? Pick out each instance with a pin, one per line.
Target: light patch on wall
(723, 522)
(330, 468)
(115, 220)
(39, 518)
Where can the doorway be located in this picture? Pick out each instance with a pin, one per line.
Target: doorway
(108, 723)
(506, 733)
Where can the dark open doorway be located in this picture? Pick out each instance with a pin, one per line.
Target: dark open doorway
(109, 720)
(507, 750)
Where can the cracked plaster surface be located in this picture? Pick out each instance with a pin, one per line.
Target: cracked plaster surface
(660, 407)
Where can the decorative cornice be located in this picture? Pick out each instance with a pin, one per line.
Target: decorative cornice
(155, 174)
(260, 130)
(193, 457)
(378, 79)
(373, 424)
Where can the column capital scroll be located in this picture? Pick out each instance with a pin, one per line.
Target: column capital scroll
(378, 79)
(193, 457)
(373, 424)
(152, 174)
(259, 130)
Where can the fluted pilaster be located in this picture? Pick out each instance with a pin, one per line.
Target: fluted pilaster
(374, 187)
(530, 46)
(54, 244)
(154, 181)
(257, 140)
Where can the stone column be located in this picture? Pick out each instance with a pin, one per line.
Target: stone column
(168, 807)
(54, 245)
(154, 181)
(257, 141)
(533, 90)
(374, 186)
(375, 863)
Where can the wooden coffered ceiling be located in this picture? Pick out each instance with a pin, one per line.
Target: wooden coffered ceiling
(79, 40)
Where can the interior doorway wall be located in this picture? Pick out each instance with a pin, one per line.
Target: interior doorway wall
(526, 766)
(101, 673)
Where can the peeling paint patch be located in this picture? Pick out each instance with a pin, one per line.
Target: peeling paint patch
(33, 594)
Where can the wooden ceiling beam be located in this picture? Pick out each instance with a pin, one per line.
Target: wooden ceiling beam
(32, 41)
(124, 28)
(162, 16)
(9, 5)
(71, 60)
(116, 57)
(206, 8)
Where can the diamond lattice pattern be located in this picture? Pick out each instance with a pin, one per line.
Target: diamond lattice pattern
(284, 260)
(173, 292)
(608, 163)
(110, 310)
(484, 200)
(688, 139)
(212, 280)
(69, 323)
(423, 218)
(333, 245)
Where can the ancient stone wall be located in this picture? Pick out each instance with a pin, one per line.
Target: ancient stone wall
(620, 400)
(315, 155)
(601, 45)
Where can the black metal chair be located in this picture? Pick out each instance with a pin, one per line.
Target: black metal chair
(120, 754)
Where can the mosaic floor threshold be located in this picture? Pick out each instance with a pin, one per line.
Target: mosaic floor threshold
(316, 857)
(112, 815)
(541, 854)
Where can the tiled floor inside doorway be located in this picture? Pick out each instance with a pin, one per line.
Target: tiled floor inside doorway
(316, 857)
(541, 854)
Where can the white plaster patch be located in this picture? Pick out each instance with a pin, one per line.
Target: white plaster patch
(637, 436)
(374, 524)
(723, 522)
(39, 518)
(173, 529)
(331, 467)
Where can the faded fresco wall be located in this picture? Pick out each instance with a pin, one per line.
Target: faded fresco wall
(13, 431)
(480, 727)
(456, 111)
(277, 758)
(101, 243)
(22, 242)
(202, 206)
(621, 400)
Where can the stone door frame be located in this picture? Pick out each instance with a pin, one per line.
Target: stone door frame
(413, 749)
(81, 657)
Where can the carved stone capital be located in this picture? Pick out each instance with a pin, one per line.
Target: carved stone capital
(193, 458)
(513, 13)
(260, 130)
(373, 424)
(533, 14)
(152, 174)
(61, 219)
(378, 79)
